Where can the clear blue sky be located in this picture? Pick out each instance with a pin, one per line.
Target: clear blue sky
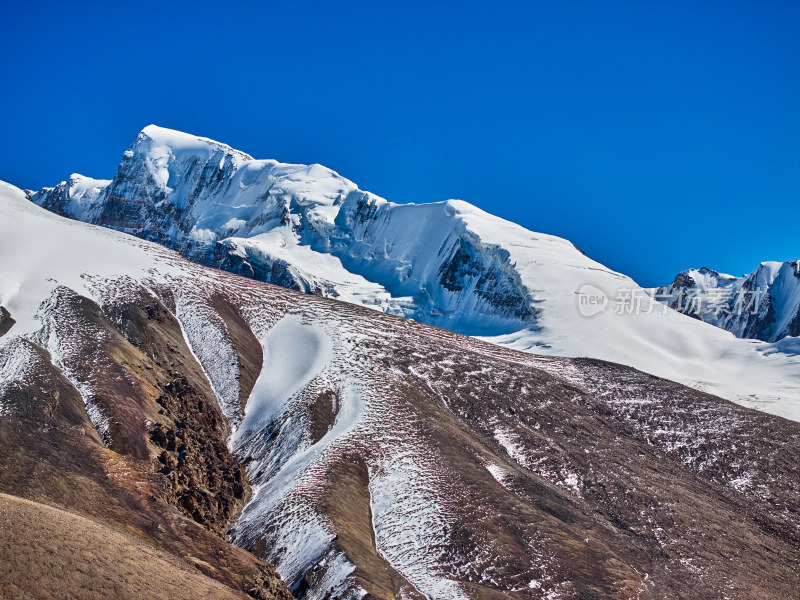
(656, 136)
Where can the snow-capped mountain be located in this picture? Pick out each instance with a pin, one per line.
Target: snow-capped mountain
(763, 305)
(448, 264)
(384, 458)
(303, 227)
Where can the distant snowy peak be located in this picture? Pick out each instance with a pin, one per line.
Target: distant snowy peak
(764, 304)
(79, 197)
(308, 228)
(705, 278)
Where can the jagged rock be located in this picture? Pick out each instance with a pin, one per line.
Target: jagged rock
(762, 305)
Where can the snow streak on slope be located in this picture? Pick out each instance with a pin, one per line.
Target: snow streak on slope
(408, 487)
(16, 365)
(61, 329)
(207, 337)
(289, 471)
(283, 473)
(448, 264)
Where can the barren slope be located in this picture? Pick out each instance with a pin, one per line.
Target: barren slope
(388, 459)
(57, 554)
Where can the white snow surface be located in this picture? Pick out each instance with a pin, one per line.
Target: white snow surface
(294, 354)
(39, 252)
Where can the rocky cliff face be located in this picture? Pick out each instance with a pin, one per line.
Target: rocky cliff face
(763, 305)
(386, 458)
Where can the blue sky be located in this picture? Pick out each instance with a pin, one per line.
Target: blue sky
(656, 136)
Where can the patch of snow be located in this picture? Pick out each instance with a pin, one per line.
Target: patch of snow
(16, 364)
(497, 472)
(294, 353)
(507, 440)
(207, 338)
(408, 518)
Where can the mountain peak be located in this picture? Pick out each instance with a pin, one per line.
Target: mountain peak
(763, 304)
(154, 136)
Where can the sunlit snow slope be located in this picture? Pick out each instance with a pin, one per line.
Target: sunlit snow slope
(448, 264)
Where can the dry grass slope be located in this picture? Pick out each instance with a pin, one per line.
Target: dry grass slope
(47, 553)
